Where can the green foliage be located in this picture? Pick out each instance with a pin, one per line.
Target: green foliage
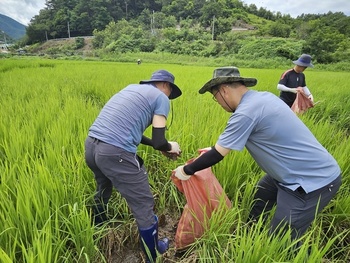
(79, 42)
(323, 43)
(139, 22)
(270, 48)
(279, 29)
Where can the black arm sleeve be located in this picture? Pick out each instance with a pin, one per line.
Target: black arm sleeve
(158, 140)
(204, 161)
(146, 141)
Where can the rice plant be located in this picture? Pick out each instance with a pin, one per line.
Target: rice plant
(47, 107)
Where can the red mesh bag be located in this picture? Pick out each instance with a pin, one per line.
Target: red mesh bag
(203, 194)
(302, 103)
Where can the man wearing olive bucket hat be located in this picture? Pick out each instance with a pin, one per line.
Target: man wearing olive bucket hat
(110, 152)
(293, 81)
(301, 177)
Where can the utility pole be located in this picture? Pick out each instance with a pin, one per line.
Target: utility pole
(68, 18)
(213, 28)
(152, 23)
(126, 10)
(5, 38)
(68, 29)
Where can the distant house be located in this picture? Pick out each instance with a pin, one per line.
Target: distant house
(240, 25)
(4, 47)
(21, 51)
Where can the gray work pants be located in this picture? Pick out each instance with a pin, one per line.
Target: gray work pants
(113, 166)
(295, 209)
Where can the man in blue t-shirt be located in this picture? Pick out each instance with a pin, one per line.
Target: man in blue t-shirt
(301, 175)
(111, 145)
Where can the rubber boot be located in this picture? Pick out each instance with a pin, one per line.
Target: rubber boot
(99, 214)
(150, 243)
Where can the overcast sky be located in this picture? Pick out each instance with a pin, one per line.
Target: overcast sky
(23, 10)
(298, 7)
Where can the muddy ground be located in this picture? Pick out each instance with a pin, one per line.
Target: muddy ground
(120, 247)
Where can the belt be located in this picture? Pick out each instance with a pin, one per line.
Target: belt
(97, 141)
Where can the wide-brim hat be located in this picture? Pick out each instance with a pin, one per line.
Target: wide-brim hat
(304, 61)
(227, 75)
(163, 75)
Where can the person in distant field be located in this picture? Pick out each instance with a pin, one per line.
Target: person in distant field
(301, 176)
(138, 61)
(110, 152)
(293, 81)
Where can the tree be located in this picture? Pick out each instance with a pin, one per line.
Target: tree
(180, 9)
(40, 26)
(322, 43)
(209, 11)
(279, 29)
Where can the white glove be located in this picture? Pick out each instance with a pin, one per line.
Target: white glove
(311, 97)
(296, 90)
(175, 148)
(180, 173)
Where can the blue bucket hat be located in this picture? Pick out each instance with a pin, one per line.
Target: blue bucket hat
(304, 61)
(163, 75)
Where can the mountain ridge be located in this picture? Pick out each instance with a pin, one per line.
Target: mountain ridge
(12, 28)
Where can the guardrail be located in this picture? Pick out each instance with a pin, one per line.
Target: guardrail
(68, 38)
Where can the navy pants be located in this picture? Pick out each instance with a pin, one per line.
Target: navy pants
(294, 209)
(115, 167)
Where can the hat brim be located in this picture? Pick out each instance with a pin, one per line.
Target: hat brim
(175, 90)
(301, 64)
(248, 82)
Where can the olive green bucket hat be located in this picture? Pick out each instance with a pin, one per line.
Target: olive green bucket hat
(226, 75)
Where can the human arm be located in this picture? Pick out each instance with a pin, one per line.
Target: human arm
(146, 141)
(284, 88)
(158, 141)
(308, 93)
(211, 157)
(158, 134)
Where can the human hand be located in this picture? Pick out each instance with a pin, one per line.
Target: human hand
(298, 89)
(175, 148)
(180, 173)
(310, 97)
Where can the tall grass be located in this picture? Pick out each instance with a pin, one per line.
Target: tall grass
(47, 107)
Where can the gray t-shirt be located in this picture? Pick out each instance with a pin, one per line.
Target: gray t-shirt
(125, 117)
(279, 142)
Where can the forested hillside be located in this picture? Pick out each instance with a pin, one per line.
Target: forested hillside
(10, 27)
(195, 27)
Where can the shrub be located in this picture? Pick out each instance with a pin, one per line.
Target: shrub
(79, 42)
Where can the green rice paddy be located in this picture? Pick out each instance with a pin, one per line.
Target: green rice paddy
(47, 107)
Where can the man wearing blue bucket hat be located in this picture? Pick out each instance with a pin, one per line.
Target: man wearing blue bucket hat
(110, 152)
(293, 81)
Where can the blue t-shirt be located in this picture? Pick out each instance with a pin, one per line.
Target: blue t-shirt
(279, 142)
(125, 117)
